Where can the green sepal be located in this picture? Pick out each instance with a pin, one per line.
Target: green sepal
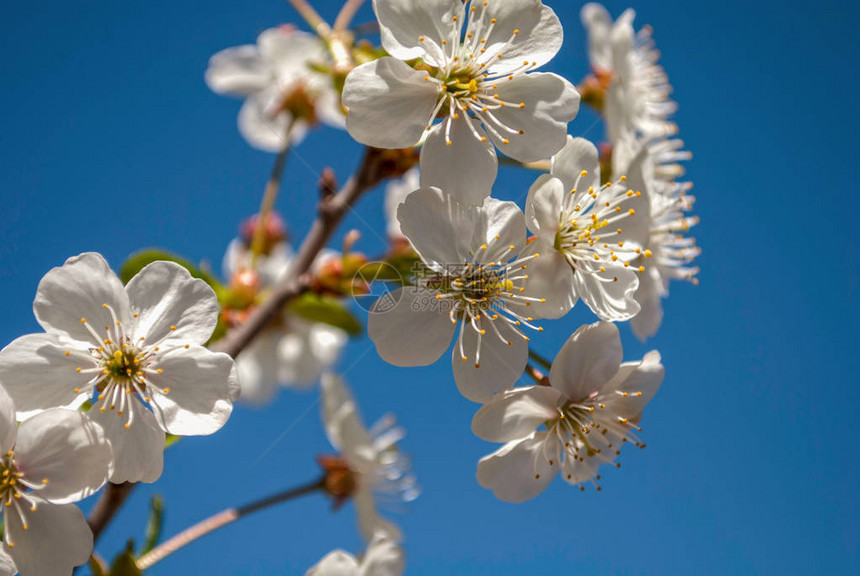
(326, 310)
(153, 524)
(124, 564)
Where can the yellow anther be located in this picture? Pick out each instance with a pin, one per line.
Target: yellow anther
(648, 254)
(172, 327)
(83, 320)
(632, 211)
(166, 390)
(641, 269)
(583, 174)
(623, 178)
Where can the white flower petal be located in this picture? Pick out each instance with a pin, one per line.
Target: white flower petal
(289, 52)
(414, 332)
(369, 520)
(646, 323)
(264, 126)
(383, 557)
(8, 422)
(238, 71)
(550, 102)
(57, 539)
(403, 22)
(539, 38)
(68, 450)
(640, 380)
(579, 471)
(343, 425)
(337, 563)
(198, 398)
(172, 305)
(7, 565)
(389, 103)
(438, 227)
(577, 155)
(516, 414)
(258, 368)
(501, 227)
(544, 207)
(466, 168)
(395, 195)
(329, 109)
(588, 360)
(517, 471)
(611, 300)
(76, 290)
(37, 374)
(497, 368)
(305, 350)
(550, 278)
(138, 451)
(598, 23)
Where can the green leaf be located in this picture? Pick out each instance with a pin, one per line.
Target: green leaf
(124, 564)
(153, 525)
(137, 261)
(327, 310)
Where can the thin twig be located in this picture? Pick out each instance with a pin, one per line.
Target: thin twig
(346, 14)
(311, 16)
(270, 195)
(110, 501)
(220, 519)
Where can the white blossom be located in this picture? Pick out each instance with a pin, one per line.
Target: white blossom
(282, 84)
(587, 234)
(55, 458)
(292, 352)
(475, 280)
(136, 351)
(637, 96)
(591, 407)
(382, 558)
(376, 472)
(476, 75)
(653, 166)
(395, 194)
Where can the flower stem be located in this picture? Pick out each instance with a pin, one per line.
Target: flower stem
(270, 195)
(540, 359)
(311, 16)
(220, 519)
(346, 14)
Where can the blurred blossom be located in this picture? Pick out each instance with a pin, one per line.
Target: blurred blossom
(369, 469)
(291, 351)
(284, 83)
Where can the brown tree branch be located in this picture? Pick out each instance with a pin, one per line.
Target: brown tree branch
(330, 211)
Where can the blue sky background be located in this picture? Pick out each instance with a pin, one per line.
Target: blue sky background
(111, 141)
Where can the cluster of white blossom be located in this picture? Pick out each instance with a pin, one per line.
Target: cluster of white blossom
(119, 367)
(492, 270)
(134, 359)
